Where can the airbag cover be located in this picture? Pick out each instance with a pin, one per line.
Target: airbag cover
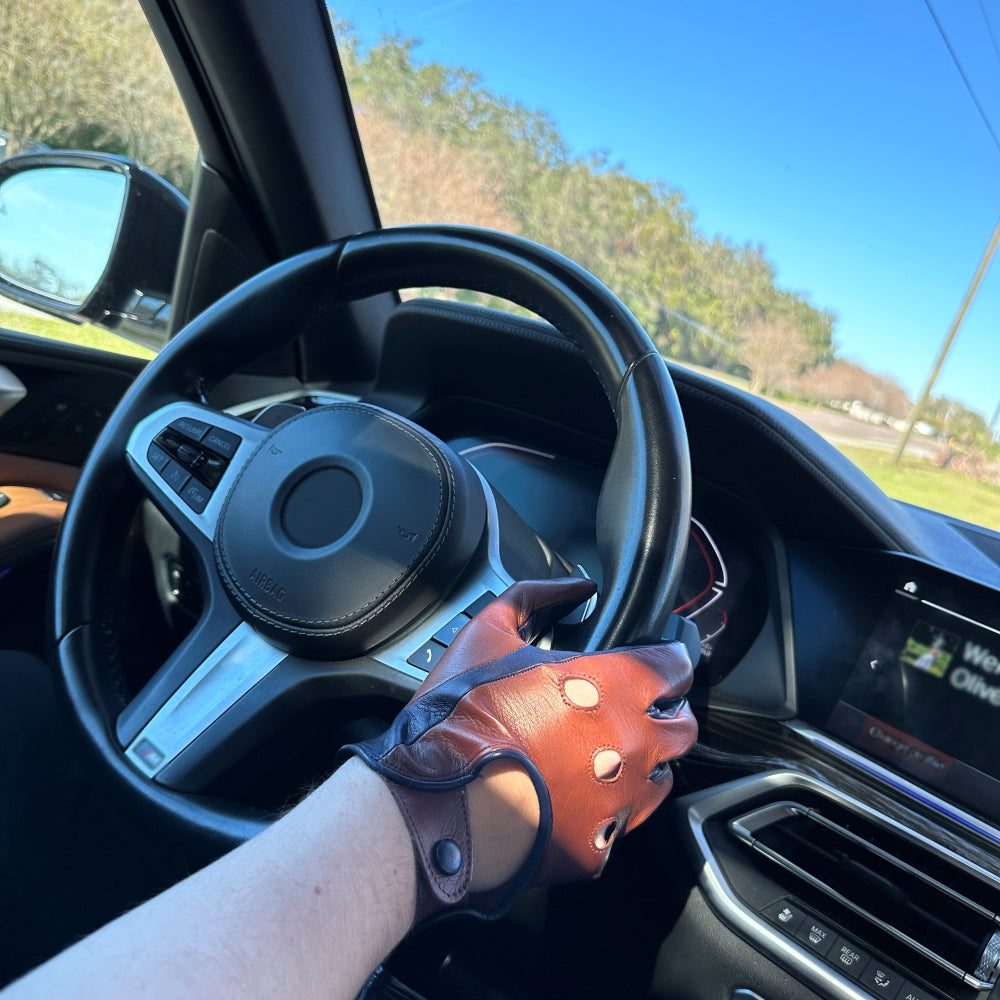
(345, 524)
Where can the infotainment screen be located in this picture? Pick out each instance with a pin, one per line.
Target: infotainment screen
(924, 695)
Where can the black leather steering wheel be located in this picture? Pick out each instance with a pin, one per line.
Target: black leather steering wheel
(342, 540)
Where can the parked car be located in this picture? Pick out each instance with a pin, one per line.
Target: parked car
(255, 567)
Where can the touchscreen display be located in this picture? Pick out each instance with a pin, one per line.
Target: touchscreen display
(924, 696)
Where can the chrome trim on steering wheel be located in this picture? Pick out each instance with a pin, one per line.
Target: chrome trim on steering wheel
(144, 436)
(226, 675)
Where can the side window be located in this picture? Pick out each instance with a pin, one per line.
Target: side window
(87, 75)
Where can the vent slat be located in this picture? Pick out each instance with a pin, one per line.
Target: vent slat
(911, 895)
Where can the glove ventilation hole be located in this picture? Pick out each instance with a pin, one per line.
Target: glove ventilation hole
(604, 835)
(665, 708)
(581, 692)
(607, 765)
(660, 773)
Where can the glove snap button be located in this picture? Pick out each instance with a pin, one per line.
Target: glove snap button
(447, 857)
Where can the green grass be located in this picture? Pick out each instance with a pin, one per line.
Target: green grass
(914, 480)
(921, 483)
(84, 335)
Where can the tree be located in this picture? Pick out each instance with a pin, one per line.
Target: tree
(441, 146)
(773, 352)
(417, 177)
(842, 381)
(89, 74)
(957, 422)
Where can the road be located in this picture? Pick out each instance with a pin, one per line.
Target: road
(837, 427)
(840, 429)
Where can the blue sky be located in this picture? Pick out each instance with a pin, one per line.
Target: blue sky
(837, 133)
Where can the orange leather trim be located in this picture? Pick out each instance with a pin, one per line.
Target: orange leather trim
(30, 519)
(23, 471)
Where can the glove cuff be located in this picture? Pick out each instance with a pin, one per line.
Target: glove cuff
(438, 822)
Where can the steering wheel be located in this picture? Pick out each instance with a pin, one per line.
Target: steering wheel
(341, 541)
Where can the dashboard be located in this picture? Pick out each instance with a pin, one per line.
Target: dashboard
(841, 813)
(719, 586)
(893, 657)
(836, 832)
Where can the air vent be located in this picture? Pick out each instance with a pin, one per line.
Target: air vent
(928, 902)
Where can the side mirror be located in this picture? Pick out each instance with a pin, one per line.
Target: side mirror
(91, 237)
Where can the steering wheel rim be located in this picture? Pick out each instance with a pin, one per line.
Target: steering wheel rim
(643, 512)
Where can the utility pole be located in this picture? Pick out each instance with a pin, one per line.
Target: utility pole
(946, 346)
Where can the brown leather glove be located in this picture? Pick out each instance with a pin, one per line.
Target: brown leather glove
(595, 733)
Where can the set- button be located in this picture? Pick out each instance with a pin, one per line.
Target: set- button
(191, 457)
(869, 971)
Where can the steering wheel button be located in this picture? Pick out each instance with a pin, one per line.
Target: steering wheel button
(210, 469)
(196, 495)
(188, 455)
(427, 655)
(157, 457)
(446, 634)
(190, 428)
(222, 442)
(476, 606)
(176, 475)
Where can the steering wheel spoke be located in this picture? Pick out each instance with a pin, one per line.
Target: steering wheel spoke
(187, 456)
(174, 714)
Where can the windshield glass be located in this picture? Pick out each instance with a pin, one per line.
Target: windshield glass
(796, 198)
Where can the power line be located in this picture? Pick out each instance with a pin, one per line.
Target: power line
(961, 70)
(989, 28)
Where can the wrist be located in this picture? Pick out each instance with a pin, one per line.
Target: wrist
(376, 828)
(503, 817)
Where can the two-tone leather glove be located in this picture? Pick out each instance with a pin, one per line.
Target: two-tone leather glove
(595, 733)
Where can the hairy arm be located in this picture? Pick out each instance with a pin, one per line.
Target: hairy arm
(307, 909)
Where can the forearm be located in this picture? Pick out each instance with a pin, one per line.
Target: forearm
(307, 909)
(311, 906)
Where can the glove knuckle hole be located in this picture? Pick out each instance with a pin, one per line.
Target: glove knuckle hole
(666, 708)
(581, 693)
(605, 834)
(660, 773)
(608, 764)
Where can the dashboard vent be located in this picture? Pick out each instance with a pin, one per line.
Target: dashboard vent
(929, 903)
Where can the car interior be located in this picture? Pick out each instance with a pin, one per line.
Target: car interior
(834, 833)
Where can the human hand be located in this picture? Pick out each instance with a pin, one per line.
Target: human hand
(591, 735)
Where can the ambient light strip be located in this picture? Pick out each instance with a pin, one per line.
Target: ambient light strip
(894, 780)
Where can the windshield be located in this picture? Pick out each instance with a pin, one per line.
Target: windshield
(796, 199)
